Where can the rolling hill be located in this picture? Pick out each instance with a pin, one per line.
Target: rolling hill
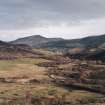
(87, 42)
(38, 41)
(12, 51)
(35, 41)
(92, 47)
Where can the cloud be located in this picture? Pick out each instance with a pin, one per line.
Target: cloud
(23, 15)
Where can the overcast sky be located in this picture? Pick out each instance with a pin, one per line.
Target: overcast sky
(51, 18)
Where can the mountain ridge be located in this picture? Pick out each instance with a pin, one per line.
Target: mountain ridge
(38, 41)
(91, 46)
(35, 40)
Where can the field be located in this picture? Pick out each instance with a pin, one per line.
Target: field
(22, 76)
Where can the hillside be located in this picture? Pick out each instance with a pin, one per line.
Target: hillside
(88, 47)
(42, 77)
(35, 40)
(87, 42)
(38, 41)
(12, 51)
(53, 80)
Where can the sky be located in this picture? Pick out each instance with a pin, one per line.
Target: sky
(51, 18)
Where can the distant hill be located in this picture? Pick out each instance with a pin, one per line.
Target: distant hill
(87, 42)
(88, 47)
(38, 41)
(35, 41)
(4, 46)
(99, 54)
(92, 47)
(13, 51)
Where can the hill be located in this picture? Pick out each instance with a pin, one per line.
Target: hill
(38, 41)
(51, 78)
(12, 51)
(35, 41)
(89, 47)
(87, 42)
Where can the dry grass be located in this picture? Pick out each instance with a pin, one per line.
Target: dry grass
(20, 70)
(28, 68)
(8, 63)
(44, 51)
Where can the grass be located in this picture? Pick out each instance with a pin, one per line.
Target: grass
(16, 91)
(21, 68)
(6, 64)
(28, 67)
(44, 51)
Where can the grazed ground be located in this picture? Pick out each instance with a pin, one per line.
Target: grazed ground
(19, 72)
